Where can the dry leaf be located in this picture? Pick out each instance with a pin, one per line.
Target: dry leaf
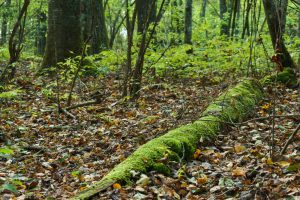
(239, 148)
(202, 180)
(283, 163)
(239, 172)
(197, 153)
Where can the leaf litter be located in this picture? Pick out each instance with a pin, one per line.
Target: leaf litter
(46, 155)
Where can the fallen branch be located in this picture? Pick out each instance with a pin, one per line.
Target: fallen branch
(181, 143)
(66, 127)
(269, 117)
(288, 142)
(67, 113)
(88, 103)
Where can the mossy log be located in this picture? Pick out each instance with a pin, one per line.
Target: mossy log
(233, 106)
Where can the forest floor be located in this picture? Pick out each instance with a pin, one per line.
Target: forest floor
(46, 155)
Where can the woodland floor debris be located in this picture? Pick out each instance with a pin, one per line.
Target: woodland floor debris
(237, 165)
(76, 153)
(68, 155)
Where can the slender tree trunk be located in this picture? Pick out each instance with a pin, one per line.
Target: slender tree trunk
(203, 8)
(234, 13)
(224, 24)
(144, 44)
(115, 26)
(4, 26)
(298, 31)
(246, 25)
(40, 39)
(64, 31)
(144, 17)
(94, 25)
(15, 45)
(276, 19)
(130, 25)
(188, 25)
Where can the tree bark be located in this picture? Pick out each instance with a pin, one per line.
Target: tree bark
(276, 18)
(64, 31)
(188, 24)
(246, 25)
(94, 25)
(4, 26)
(137, 74)
(298, 30)
(146, 12)
(40, 39)
(224, 23)
(203, 8)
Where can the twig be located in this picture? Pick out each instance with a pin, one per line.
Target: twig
(251, 120)
(67, 113)
(290, 140)
(88, 103)
(269, 117)
(66, 127)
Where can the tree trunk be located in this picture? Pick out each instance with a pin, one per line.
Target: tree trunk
(94, 25)
(15, 45)
(64, 31)
(298, 31)
(4, 26)
(137, 74)
(146, 12)
(224, 23)
(234, 13)
(203, 8)
(40, 39)
(246, 25)
(130, 25)
(188, 24)
(276, 19)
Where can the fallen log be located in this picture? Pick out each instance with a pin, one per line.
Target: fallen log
(234, 106)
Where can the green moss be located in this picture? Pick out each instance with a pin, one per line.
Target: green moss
(162, 168)
(286, 77)
(236, 103)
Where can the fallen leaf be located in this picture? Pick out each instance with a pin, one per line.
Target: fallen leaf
(283, 163)
(239, 172)
(197, 153)
(202, 180)
(239, 148)
(143, 181)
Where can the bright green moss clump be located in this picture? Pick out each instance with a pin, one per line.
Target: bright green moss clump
(286, 77)
(233, 106)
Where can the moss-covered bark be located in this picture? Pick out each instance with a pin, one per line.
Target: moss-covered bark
(286, 77)
(235, 105)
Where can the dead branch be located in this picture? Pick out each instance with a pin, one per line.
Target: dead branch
(88, 103)
(288, 142)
